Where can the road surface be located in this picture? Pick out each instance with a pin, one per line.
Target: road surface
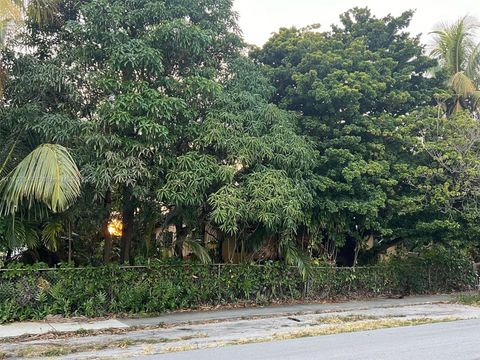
(441, 341)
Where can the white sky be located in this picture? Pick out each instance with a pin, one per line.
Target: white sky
(259, 18)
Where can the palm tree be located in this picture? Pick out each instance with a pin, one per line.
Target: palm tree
(44, 180)
(458, 51)
(47, 174)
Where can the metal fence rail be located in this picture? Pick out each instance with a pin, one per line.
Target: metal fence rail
(320, 282)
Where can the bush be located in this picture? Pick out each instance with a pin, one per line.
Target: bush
(32, 293)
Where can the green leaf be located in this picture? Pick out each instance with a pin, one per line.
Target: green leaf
(47, 175)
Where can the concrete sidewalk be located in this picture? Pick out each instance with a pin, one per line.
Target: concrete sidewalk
(35, 328)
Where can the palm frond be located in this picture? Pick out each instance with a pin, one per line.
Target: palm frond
(294, 256)
(475, 98)
(454, 43)
(473, 65)
(42, 11)
(198, 250)
(50, 233)
(462, 84)
(19, 233)
(458, 51)
(10, 10)
(47, 175)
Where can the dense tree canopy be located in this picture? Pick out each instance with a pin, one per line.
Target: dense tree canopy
(310, 147)
(164, 117)
(348, 84)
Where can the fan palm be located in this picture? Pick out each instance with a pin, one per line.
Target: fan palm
(458, 51)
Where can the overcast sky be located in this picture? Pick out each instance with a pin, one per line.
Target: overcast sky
(259, 18)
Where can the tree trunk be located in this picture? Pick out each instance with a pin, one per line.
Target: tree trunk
(108, 243)
(128, 226)
(107, 237)
(181, 234)
(149, 229)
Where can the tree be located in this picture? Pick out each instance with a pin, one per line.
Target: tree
(11, 12)
(172, 127)
(458, 51)
(347, 83)
(148, 87)
(436, 161)
(14, 12)
(48, 174)
(164, 117)
(248, 172)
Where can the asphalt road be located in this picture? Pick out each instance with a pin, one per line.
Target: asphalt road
(449, 341)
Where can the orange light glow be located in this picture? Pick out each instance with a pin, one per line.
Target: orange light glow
(115, 227)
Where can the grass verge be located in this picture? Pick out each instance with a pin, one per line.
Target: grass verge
(55, 350)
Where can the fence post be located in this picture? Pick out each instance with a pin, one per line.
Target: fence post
(430, 278)
(112, 282)
(305, 287)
